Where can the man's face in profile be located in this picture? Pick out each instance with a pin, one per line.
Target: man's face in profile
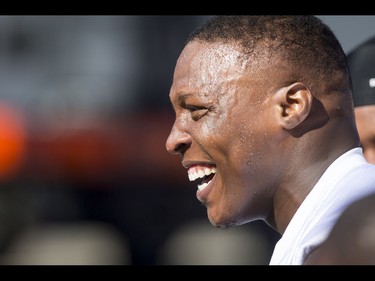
(223, 132)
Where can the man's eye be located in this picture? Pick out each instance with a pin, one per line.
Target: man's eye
(197, 112)
(193, 108)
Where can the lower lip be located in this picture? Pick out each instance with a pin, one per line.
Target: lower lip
(202, 195)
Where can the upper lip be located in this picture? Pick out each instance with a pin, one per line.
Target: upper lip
(188, 164)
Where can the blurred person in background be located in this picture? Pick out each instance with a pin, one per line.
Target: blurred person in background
(352, 239)
(361, 62)
(265, 127)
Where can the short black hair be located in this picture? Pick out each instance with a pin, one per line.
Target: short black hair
(296, 39)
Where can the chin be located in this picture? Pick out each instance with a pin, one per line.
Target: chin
(222, 221)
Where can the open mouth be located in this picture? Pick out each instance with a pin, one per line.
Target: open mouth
(202, 175)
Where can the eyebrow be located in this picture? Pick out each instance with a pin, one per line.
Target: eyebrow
(183, 96)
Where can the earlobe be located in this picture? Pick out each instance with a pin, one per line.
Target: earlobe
(294, 103)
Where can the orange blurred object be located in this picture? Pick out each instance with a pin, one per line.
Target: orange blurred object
(12, 140)
(128, 150)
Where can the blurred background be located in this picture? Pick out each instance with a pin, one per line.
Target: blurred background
(84, 174)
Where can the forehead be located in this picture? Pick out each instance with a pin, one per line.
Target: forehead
(206, 62)
(225, 53)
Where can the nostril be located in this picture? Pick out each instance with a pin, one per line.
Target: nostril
(180, 148)
(178, 141)
(172, 148)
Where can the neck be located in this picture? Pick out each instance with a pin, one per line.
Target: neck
(320, 148)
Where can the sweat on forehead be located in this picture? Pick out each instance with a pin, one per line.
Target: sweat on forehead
(211, 59)
(226, 54)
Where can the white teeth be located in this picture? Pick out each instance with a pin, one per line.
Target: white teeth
(200, 172)
(207, 171)
(196, 173)
(191, 177)
(202, 186)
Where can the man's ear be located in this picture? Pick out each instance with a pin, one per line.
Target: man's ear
(293, 103)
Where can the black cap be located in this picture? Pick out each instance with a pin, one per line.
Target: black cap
(361, 63)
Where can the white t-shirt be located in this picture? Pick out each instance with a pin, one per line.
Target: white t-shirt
(346, 180)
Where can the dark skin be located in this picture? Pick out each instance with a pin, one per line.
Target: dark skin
(269, 136)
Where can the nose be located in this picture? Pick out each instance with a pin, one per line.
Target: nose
(178, 140)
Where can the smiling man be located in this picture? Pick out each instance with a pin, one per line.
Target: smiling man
(265, 127)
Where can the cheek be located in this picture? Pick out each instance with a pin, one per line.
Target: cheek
(247, 147)
(362, 131)
(365, 121)
(258, 146)
(218, 131)
(366, 131)
(370, 154)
